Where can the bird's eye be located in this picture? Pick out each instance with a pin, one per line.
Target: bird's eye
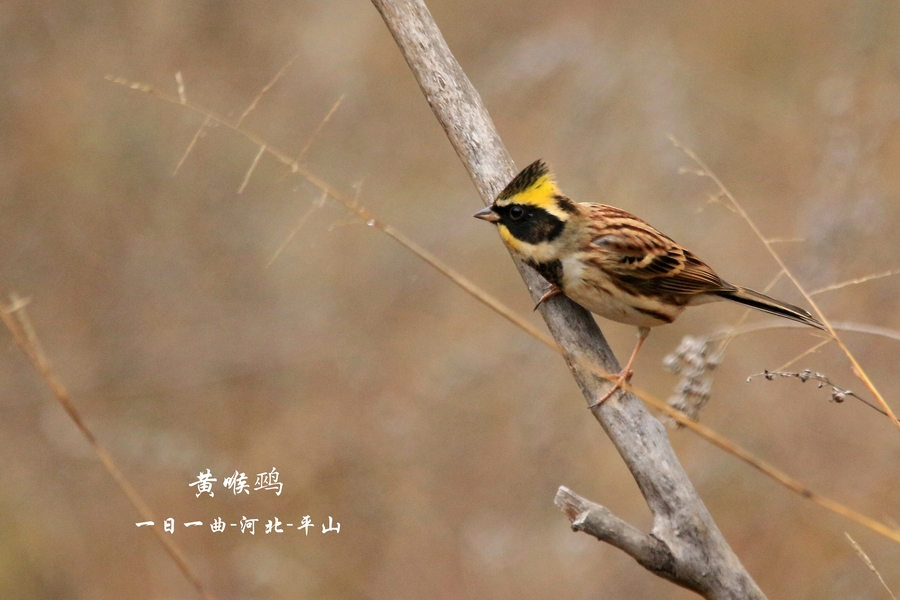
(516, 213)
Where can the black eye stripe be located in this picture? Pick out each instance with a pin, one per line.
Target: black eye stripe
(533, 226)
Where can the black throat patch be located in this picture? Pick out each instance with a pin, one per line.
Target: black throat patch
(552, 271)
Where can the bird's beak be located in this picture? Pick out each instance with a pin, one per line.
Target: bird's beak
(487, 214)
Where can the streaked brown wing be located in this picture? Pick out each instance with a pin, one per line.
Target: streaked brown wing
(646, 260)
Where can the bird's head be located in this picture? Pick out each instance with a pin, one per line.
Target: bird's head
(530, 211)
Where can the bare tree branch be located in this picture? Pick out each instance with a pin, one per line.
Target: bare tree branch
(600, 522)
(701, 559)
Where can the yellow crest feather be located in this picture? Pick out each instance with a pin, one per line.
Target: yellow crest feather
(534, 185)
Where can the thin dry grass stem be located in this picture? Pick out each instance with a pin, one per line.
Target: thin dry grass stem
(495, 305)
(367, 217)
(451, 273)
(847, 326)
(357, 192)
(455, 276)
(850, 282)
(885, 332)
(856, 367)
(16, 320)
(266, 88)
(193, 143)
(770, 285)
(717, 197)
(179, 80)
(732, 333)
(312, 137)
(807, 352)
(262, 150)
(838, 394)
(865, 558)
(351, 222)
(785, 240)
(303, 219)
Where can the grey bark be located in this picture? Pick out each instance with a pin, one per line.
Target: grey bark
(684, 545)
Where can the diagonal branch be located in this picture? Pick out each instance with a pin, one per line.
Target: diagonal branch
(702, 559)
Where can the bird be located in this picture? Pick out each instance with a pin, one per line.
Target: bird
(611, 262)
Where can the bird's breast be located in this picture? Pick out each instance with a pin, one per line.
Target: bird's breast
(590, 287)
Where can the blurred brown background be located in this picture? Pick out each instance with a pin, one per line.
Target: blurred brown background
(431, 429)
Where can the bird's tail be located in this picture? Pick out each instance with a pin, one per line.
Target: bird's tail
(771, 305)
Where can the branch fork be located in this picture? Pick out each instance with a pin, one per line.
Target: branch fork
(649, 551)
